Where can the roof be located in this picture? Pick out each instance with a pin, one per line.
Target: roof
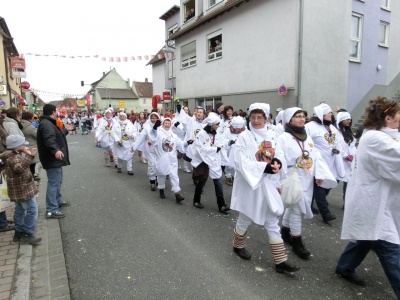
(144, 89)
(202, 19)
(169, 13)
(102, 77)
(157, 58)
(55, 102)
(117, 93)
(9, 45)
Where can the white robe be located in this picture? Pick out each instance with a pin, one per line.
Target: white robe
(192, 128)
(254, 192)
(287, 144)
(104, 135)
(139, 128)
(227, 150)
(125, 133)
(346, 151)
(373, 192)
(319, 135)
(166, 144)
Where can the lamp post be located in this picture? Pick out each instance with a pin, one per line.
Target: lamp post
(165, 50)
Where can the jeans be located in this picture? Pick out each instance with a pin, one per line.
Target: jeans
(53, 193)
(320, 198)
(3, 220)
(26, 215)
(388, 254)
(219, 192)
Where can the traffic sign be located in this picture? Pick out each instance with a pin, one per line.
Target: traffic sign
(25, 85)
(282, 90)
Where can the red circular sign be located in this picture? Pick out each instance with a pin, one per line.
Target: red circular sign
(282, 90)
(25, 85)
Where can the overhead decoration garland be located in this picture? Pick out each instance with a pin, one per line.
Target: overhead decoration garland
(57, 94)
(104, 58)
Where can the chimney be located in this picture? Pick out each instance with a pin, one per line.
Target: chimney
(128, 85)
(146, 80)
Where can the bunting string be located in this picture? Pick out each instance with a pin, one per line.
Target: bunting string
(103, 58)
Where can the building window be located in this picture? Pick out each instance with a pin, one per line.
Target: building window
(188, 55)
(384, 34)
(213, 2)
(171, 68)
(189, 10)
(144, 101)
(385, 4)
(355, 37)
(214, 46)
(171, 31)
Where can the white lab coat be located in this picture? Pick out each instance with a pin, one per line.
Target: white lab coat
(123, 132)
(346, 151)
(373, 192)
(287, 144)
(104, 132)
(319, 135)
(254, 192)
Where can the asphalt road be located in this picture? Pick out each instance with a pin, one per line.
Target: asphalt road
(121, 241)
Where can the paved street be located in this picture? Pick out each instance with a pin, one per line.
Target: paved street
(122, 242)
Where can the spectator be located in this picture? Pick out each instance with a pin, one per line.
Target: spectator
(30, 133)
(53, 154)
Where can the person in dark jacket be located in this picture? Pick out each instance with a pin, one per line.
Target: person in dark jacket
(53, 154)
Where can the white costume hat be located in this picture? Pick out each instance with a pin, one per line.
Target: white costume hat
(212, 119)
(279, 116)
(237, 122)
(343, 115)
(264, 106)
(322, 110)
(288, 114)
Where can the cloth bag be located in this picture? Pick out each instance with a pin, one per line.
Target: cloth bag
(5, 202)
(291, 189)
(201, 172)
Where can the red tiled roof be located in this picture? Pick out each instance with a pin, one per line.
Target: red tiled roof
(144, 89)
(201, 19)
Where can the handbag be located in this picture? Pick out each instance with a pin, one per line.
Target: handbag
(201, 172)
(5, 202)
(291, 189)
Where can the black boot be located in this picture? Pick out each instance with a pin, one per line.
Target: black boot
(17, 236)
(162, 195)
(152, 185)
(29, 239)
(179, 198)
(286, 236)
(196, 201)
(286, 267)
(299, 248)
(223, 209)
(239, 243)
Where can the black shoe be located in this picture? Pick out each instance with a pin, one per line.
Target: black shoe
(54, 215)
(286, 236)
(153, 187)
(64, 204)
(299, 248)
(242, 253)
(198, 205)
(36, 178)
(328, 217)
(119, 170)
(286, 267)
(224, 209)
(314, 210)
(353, 278)
(29, 239)
(162, 195)
(179, 198)
(130, 173)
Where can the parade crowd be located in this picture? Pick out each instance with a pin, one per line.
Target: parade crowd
(281, 170)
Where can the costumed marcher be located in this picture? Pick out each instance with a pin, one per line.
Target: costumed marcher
(372, 214)
(348, 145)
(104, 137)
(123, 135)
(279, 128)
(255, 195)
(193, 125)
(206, 157)
(148, 151)
(139, 124)
(324, 136)
(166, 144)
(303, 158)
(228, 139)
(226, 115)
(21, 188)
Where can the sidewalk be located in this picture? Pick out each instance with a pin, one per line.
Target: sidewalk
(37, 272)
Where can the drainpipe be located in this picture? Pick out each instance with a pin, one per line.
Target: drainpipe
(300, 61)
(7, 75)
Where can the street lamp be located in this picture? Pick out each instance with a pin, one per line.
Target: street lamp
(165, 50)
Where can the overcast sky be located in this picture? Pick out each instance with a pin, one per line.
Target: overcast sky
(117, 28)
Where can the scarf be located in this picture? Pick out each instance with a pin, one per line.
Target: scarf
(298, 132)
(19, 124)
(261, 132)
(327, 123)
